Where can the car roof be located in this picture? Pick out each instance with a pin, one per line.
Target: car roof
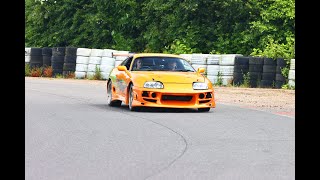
(155, 54)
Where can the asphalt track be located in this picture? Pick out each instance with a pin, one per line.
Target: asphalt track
(71, 134)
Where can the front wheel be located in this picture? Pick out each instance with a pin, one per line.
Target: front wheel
(109, 96)
(131, 108)
(203, 109)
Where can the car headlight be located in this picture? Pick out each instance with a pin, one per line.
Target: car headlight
(199, 85)
(153, 84)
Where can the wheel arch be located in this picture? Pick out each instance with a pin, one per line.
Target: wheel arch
(127, 94)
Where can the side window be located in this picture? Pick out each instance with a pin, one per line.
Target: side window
(123, 62)
(127, 64)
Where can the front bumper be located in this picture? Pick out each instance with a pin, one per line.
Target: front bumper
(173, 99)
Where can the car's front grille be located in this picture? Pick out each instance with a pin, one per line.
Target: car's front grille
(176, 98)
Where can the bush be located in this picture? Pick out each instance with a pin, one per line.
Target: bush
(47, 71)
(36, 72)
(27, 70)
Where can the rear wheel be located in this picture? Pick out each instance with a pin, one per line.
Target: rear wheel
(109, 96)
(203, 109)
(131, 100)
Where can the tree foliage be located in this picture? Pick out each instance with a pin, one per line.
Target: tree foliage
(190, 26)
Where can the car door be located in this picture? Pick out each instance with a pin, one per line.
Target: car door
(123, 79)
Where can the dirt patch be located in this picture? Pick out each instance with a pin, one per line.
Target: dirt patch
(277, 101)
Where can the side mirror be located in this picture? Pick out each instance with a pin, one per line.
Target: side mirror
(122, 68)
(201, 70)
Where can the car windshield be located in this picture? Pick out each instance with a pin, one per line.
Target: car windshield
(161, 64)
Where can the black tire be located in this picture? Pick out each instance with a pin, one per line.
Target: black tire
(279, 84)
(56, 72)
(58, 51)
(35, 65)
(70, 59)
(280, 77)
(46, 60)
(268, 76)
(266, 84)
(71, 51)
(269, 61)
(69, 67)
(36, 52)
(253, 83)
(255, 68)
(241, 68)
(281, 62)
(57, 66)
(237, 75)
(115, 103)
(269, 69)
(46, 51)
(278, 69)
(36, 59)
(240, 60)
(130, 94)
(66, 73)
(203, 109)
(237, 81)
(255, 76)
(57, 59)
(255, 61)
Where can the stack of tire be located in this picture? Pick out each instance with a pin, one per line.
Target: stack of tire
(57, 60)
(280, 79)
(199, 61)
(187, 57)
(107, 63)
(292, 75)
(213, 67)
(27, 58)
(268, 73)
(70, 59)
(255, 71)
(241, 68)
(94, 62)
(46, 56)
(227, 68)
(36, 57)
(82, 62)
(119, 59)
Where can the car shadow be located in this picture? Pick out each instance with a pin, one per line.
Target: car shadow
(125, 108)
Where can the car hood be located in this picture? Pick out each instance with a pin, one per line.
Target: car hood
(167, 77)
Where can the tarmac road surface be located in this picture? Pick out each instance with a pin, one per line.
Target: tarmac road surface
(71, 134)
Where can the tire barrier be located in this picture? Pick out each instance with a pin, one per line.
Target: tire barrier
(241, 68)
(280, 79)
(108, 53)
(57, 60)
(35, 59)
(199, 59)
(263, 72)
(106, 65)
(70, 60)
(94, 62)
(82, 62)
(292, 75)
(27, 55)
(268, 73)
(187, 57)
(227, 67)
(46, 56)
(255, 71)
(213, 59)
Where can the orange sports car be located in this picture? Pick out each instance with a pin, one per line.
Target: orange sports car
(159, 80)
